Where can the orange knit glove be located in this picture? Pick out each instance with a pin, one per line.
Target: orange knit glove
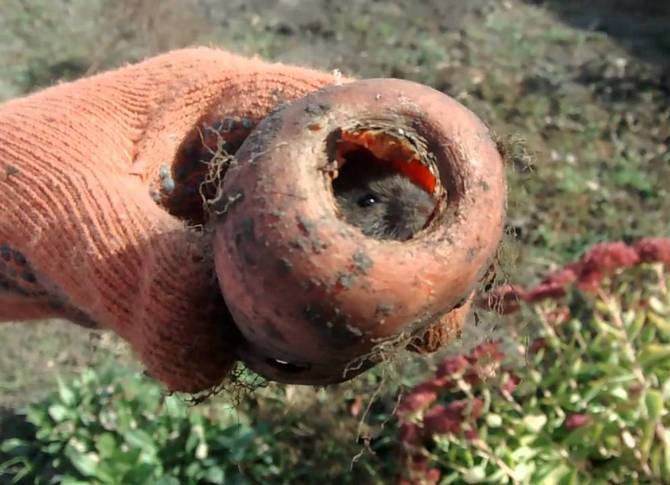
(99, 199)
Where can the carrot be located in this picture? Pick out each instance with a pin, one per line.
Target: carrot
(312, 296)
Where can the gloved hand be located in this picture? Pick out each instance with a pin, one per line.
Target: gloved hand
(100, 202)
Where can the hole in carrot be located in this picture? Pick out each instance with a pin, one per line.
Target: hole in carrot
(382, 188)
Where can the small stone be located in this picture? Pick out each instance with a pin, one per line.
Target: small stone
(167, 185)
(163, 172)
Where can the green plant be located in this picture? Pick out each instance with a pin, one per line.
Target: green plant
(587, 406)
(119, 427)
(116, 426)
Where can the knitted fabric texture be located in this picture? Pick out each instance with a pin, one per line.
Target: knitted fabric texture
(83, 234)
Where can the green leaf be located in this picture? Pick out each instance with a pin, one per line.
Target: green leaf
(66, 394)
(661, 324)
(37, 416)
(665, 466)
(58, 412)
(167, 480)
(658, 306)
(648, 334)
(105, 444)
(174, 407)
(569, 478)
(555, 475)
(88, 377)
(15, 446)
(140, 473)
(619, 392)
(85, 463)
(138, 438)
(194, 471)
(523, 470)
(654, 402)
(523, 453)
(54, 448)
(535, 422)
(646, 438)
(110, 471)
(127, 458)
(652, 354)
(191, 443)
(656, 459)
(216, 475)
(636, 325)
(475, 474)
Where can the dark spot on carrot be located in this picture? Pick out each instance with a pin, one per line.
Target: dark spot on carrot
(332, 324)
(317, 109)
(306, 226)
(248, 257)
(297, 244)
(247, 227)
(384, 309)
(484, 185)
(362, 262)
(284, 267)
(345, 281)
(246, 233)
(308, 229)
(313, 314)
